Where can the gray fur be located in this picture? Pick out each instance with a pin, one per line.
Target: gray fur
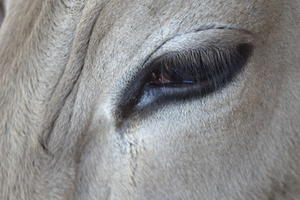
(64, 64)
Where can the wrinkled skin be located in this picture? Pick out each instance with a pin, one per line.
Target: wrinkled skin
(65, 63)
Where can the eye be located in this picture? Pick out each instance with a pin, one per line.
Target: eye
(183, 75)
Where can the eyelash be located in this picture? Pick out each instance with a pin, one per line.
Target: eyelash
(214, 65)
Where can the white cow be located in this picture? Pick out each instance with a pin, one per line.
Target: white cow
(150, 99)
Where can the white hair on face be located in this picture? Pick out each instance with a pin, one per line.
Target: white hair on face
(65, 66)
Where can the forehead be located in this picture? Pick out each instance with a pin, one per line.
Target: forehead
(126, 22)
(181, 15)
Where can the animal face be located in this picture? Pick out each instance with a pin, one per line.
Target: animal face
(149, 99)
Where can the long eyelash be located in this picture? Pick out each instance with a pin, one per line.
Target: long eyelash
(209, 62)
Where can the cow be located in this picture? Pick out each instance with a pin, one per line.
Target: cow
(149, 99)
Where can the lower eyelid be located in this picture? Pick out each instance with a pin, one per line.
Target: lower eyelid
(155, 93)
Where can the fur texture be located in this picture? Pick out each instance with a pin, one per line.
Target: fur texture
(65, 63)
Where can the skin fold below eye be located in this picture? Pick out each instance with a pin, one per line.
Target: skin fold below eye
(183, 75)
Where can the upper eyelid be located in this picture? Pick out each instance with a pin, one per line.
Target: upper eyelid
(223, 27)
(209, 27)
(152, 56)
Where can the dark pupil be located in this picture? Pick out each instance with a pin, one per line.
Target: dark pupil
(169, 75)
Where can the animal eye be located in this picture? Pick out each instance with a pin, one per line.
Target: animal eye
(184, 75)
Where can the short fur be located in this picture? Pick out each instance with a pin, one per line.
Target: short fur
(65, 63)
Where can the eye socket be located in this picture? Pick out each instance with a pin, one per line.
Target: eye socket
(184, 75)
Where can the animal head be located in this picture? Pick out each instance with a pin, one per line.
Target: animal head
(149, 99)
